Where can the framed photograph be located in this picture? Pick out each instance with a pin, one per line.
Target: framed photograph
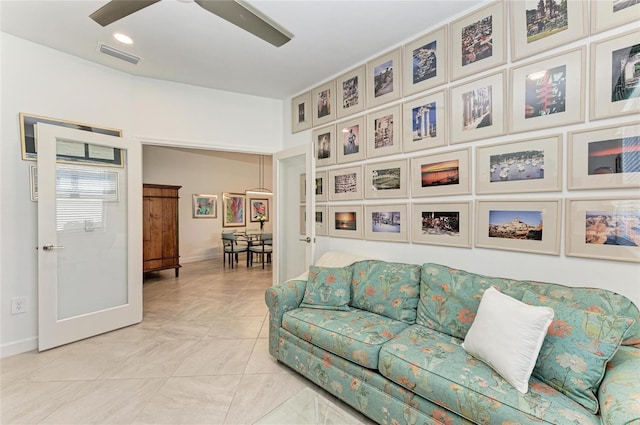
(71, 152)
(425, 62)
(384, 132)
(479, 41)
(301, 114)
(603, 228)
(351, 91)
(205, 206)
(615, 65)
(322, 220)
(302, 184)
(442, 174)
(233, 209)
(440, 223)
(531, 225)
(548, 92)
(607, 14)
(478, 109)
(323, 99)
(603, 158)
(538, 27)
(533, 165)
(384, 75)
(325, 145)
(258, 209)
(386, 180)
(321, 186)
(388, 223)
(345, 221)
(423, 119)
(351, 136)
(345, 183)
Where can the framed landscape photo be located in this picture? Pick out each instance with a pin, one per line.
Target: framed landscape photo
(478, 109)
(441, 223)
(384, 132)
(233, 209)
(385, 180)
(345, 221)
(324, 139)
(607, 14)
(424, 122)
(425, 62)
(548, 92)
(441, 174)
(323, 101)
(351, 90)
(533, 165)
(351, 137)
(258, 210)
(387, 223)
(322, 220)
(603, 228)
(538, 27)
(531, 225)
(384, 78)
(604, 158)
(615, 69)
(321, 186)
(479, 41)
(301, 114)
(345, 183)
(205, 206)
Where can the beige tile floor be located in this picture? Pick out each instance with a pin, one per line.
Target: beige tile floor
(200, 356)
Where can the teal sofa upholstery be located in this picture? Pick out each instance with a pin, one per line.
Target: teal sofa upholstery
(395, 354)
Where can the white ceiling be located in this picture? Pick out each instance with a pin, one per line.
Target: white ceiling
(181, 42)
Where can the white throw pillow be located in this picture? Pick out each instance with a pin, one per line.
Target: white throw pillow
(507, 335)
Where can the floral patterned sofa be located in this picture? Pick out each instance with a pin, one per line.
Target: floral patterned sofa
(386, 338)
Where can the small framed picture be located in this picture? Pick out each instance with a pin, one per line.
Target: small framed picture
(615, 67)
(384, 132)
(525, 166)
(301, 115)
(351, 90)
(345, 221)
(323, 99)
(386, 223)
(478, 109)
(536, 29)
(233, 209)
(345, 183)
(321, 186)
(388, 179)
(442, 174)
(259, 210)
(351, 137)
(607, 14)
(302, 184)
(531, 225)
(425, 62)
(441, 223)
(548, 92)
(603, 228)
(603, 158)
(424, 126)
(384, 75)
(322, 220)
(325, 145)
(205, 206)
(478, 41)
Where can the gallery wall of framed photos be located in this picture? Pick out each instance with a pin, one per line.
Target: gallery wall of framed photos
(513, 127)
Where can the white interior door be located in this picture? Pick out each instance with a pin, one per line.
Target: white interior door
(294, 231)
(89, 235)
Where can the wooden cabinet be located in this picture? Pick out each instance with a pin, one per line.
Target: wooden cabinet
(160, 228)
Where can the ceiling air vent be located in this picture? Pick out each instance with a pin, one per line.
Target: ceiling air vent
(112, 51)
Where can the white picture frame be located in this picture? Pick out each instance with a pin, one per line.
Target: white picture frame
(386, 180)
(442, 223)
(321, 186)
(424, 122)
(345, 221)
(384, 78)
(386, 222)
(301, 113)
(351, 137)
(608, 14)
(323, 103)
(442, 174)
(324, 140)
(322, 220)
(425, 62)
(345, 183)
(351, 92)
(384, 132)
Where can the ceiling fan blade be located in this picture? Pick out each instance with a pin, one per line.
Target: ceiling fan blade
(246, 17)
(118, 9)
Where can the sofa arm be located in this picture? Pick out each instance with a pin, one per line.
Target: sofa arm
(619, 392)
(281, 298)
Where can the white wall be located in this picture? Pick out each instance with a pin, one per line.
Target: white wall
(42, 81)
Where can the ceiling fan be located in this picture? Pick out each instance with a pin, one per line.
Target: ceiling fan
(238, 12)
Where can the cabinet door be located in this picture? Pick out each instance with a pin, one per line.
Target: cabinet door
(170, 229)
(152, 233)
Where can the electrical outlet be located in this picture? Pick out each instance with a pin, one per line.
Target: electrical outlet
(18, 305)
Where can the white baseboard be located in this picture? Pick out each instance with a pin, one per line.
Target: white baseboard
(18, 347)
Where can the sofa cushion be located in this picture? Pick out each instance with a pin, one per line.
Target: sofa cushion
(436, 367)
(619, 389)
(577, 348)
(390, 289)
(328, 288)
(355, 335)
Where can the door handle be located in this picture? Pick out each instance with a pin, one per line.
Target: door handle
(51, 247)
(307, 239)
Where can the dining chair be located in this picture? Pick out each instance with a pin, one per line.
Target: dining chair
(231, 249)
(262, 247)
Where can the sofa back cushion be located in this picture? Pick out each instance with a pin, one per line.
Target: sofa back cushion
(390, 289)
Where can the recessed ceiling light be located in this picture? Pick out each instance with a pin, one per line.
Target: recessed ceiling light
(123, 38)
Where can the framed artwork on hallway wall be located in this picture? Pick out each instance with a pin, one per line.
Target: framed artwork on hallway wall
(384, 78)
(233, 209)
(345, 221)
(345, 183)
(442, 174)
(258, 210)
(324, 139)
(321, 186)
(205, 206)
(387, 223)
(301, 114)
(351, 92)
(442, 223)
(607, 14)
(323, 103)
(386, 180)
(351, 139)
(322, 220)
(424, 122)
(384, 132)
(425, 62)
